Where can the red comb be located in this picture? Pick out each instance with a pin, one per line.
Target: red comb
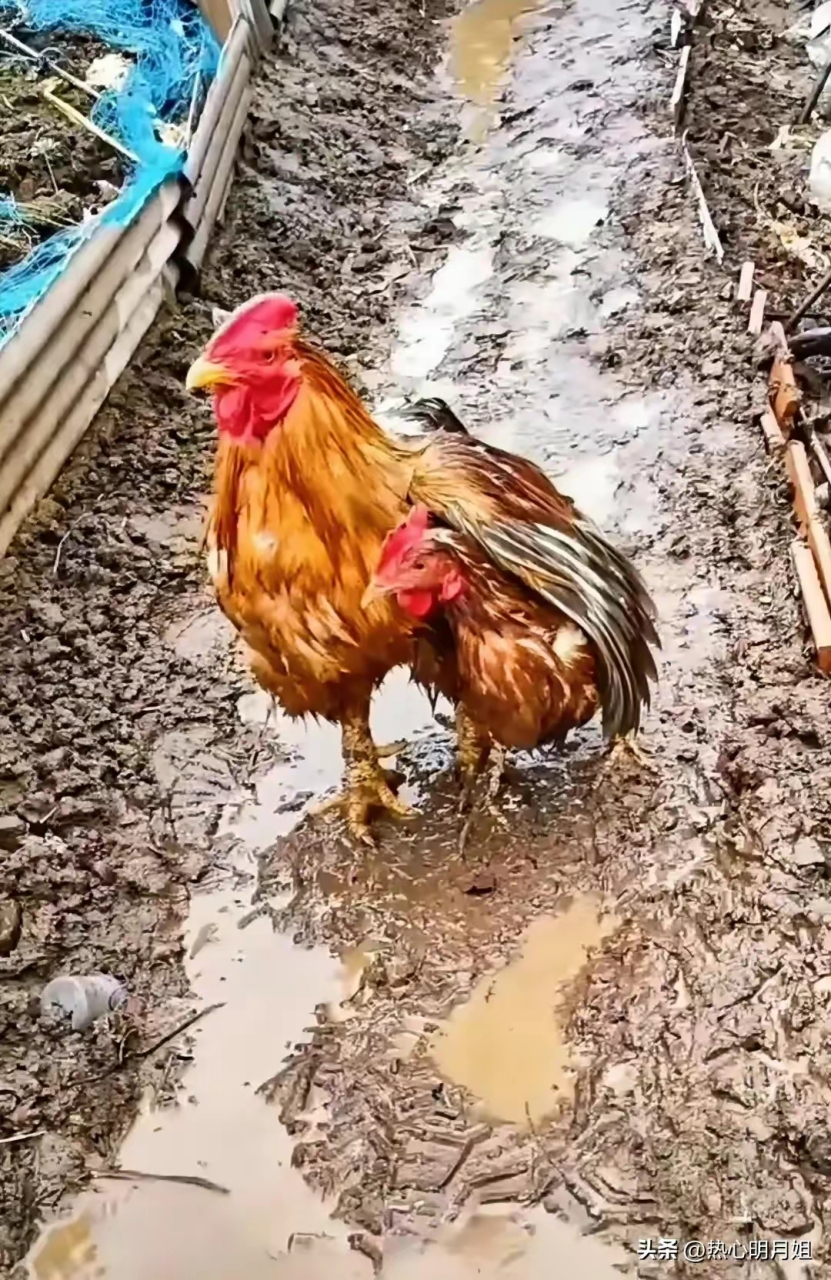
(252, 322)
(406, 536)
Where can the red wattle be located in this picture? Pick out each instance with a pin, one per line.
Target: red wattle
(417, 603)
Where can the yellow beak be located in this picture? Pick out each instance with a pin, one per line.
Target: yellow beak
(374, 592)
(202, 374)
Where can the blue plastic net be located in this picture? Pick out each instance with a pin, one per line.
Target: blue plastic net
(171, 45)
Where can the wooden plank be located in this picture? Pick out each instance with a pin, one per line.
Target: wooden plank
(816, 608)
(772, 432)
(820, 545)
(72, 429)
(799, 473)
(784, 393)
(219, 16)
(757, 312)
(677, 99)
(745, 289)
(60, 348)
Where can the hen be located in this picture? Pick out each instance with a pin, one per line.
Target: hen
(547, 620)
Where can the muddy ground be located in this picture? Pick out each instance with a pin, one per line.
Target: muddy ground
(544, 267)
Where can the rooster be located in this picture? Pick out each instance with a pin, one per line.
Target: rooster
(307, 487)
(547, 621)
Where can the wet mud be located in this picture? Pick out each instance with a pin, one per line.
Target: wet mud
(607, 1020)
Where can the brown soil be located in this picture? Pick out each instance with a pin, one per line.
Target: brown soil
(699, 1109)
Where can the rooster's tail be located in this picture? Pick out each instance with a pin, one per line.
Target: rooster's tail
(436, 415)
(583, 576)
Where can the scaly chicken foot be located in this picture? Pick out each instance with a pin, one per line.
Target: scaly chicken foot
(626, 747)
(495, 776)
(368, 787)
(477, 755)
(473, 749)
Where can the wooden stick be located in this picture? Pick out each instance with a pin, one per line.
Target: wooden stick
(187, 1180)
(711, 236)
(799, 474)
(757, 312)
(194, 99)
(78, 117)
(805, 306)
(815, 94)
(819, 619)
(745, 289)
(177, 1031)
(677, 99)
(773, 435)
(22, 1137)
(14, 43)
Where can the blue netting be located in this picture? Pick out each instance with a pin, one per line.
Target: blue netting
(171, 45)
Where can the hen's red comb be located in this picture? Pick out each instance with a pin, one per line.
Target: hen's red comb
(402, 539)
(252, 324)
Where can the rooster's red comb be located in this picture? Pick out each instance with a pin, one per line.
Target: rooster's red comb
(254, 323)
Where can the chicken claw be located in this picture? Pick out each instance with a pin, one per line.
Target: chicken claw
(495, 777)
(473, 748)
(361, 799)
(627, 747)
(368, 787)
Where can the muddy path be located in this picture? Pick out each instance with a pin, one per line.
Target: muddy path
(609, 1017)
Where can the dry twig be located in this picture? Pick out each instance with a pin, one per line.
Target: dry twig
(136, 1175)
(77, 117)
(34, 56)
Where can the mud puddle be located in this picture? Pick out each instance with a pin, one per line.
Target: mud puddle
(481, 47)
(491, 1242)
(507, 1045)
(259, 992)
(223, 1130)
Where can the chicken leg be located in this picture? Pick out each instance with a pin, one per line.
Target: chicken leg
(477, 754)
(626, 747)
(367, 786)
(473, 749)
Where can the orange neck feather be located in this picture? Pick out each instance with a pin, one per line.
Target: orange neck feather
(329, 452)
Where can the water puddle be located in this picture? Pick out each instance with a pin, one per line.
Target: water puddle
(519, 1246)
(223, 1130)
(506, 1044)
(572, 222)
(426, 334)
(313, 762)
(481, 43)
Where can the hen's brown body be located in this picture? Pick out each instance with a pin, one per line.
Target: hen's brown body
(523, 672)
